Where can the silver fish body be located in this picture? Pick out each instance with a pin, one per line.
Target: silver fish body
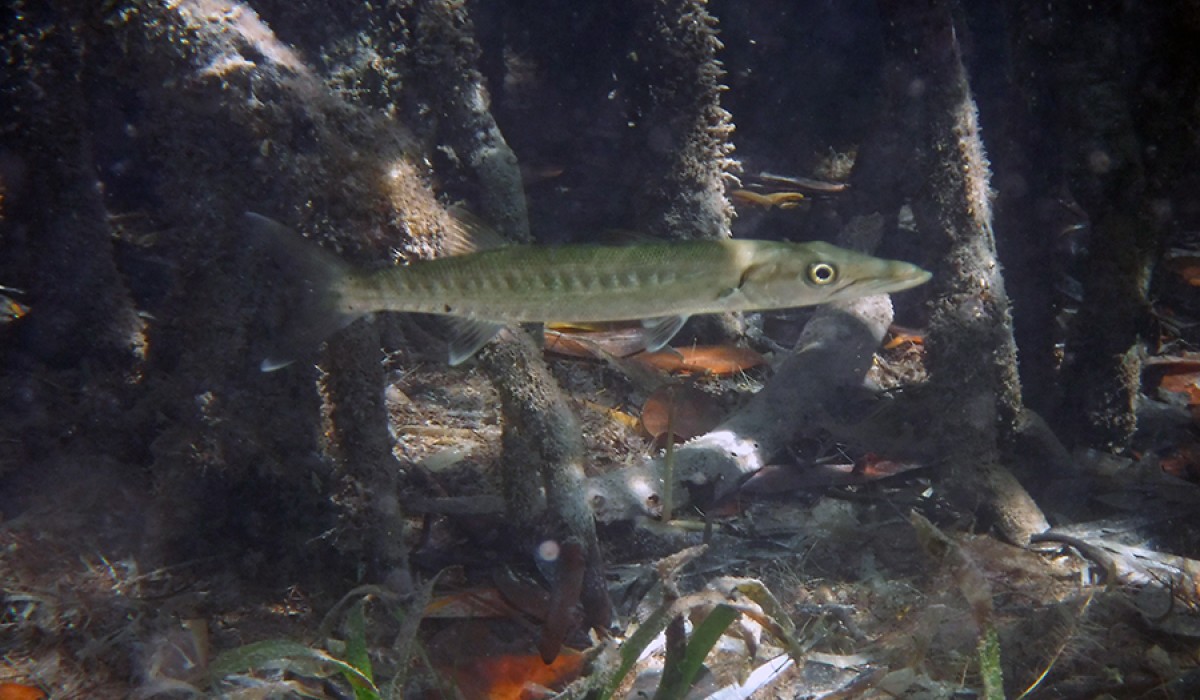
(661, 282)
(591, 283)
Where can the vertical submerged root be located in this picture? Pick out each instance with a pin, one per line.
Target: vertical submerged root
(971, 353)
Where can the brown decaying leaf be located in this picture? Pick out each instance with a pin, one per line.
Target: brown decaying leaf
(1183, 463)
(1175, 364)
(474, 603)
(618, 341)
(702, 359)
(694, 412)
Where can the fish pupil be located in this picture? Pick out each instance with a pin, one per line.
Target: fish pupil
(821, 273)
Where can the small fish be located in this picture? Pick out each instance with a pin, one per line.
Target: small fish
(11, 309)
(783, 200)
(804, 183)
(662, 283)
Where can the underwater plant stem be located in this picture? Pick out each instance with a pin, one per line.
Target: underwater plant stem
(989, 664)
(668, 479)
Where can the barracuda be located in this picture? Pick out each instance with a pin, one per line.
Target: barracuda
(662, 283)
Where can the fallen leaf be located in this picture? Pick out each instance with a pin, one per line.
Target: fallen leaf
(1183, 362)
(514, 677)
(593, 341)
(898, 335)
(689, 411)
(702, 359)
(1183, 463)
(474, 603)
(1186, 265)
(1183, 383)
(11, 309)
(873, 467)
(615, 414)
(20, 691)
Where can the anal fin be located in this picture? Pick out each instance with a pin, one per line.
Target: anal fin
(659, 331)
(468, 335)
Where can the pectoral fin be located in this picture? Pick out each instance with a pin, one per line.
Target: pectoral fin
(659, 331)
(468, 335)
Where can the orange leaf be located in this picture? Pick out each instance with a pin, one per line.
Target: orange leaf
(19, 691)
(899, 335)
(690, 411)
(616, 414)
(702, 359)
(901, 338)
(873, 467)
(1187, 266)
(11, 310)
(514, 677)
(1183, 383)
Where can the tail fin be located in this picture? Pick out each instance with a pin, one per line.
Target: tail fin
(313, 282)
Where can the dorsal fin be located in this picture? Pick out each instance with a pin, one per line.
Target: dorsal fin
(469, 233)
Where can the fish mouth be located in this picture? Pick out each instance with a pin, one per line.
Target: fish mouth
(915, 277)
(897, 278)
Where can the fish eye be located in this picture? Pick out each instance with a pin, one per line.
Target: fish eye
(821, 273)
